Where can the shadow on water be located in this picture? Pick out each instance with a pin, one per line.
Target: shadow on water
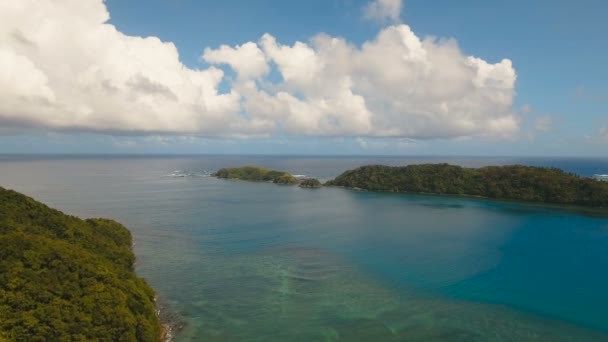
(309, 294)
(515, 207)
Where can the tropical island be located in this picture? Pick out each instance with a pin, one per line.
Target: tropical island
(256, 174)
(513, 182)
(261, 174)
(67, 279)
(310, 183)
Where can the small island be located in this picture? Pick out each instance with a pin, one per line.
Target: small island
(67, 279)
(257, 174)
(513, 182)
(310, 183)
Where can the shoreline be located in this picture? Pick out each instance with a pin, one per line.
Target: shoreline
(603, 212)
(170, 322)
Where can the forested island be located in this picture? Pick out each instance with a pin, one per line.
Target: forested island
(67, 279)
(257, 174)
(310, 183)
(513, 182)
(261, 174)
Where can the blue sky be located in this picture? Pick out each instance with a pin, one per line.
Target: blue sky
(558, 51)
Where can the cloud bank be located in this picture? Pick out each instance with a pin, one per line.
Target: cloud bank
(63, 67)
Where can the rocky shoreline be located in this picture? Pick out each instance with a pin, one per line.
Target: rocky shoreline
(170, 322)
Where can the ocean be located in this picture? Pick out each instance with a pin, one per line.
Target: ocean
(240, 261)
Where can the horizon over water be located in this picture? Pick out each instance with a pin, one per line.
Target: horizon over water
(241, 261)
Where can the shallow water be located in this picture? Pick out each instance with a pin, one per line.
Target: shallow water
(259, 262)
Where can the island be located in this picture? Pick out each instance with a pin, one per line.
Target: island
(512, 182)
(257, 174)
(67, 279)
(310, 183)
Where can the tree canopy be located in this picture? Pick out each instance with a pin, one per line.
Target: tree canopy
(67, 279)
(513, 182)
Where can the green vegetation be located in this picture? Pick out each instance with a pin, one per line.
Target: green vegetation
(258, 174)
(67, 279)
(311, 183)
(285, 179)
(515, 182)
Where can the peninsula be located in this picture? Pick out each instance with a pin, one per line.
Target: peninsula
(513, 182)
(67, 279)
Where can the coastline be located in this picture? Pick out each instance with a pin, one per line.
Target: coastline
(600, 212)
(170, 322)
(258, 174)
(509, 183)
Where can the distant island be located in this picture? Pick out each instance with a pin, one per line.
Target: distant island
(261, 174)
(67, 279)
(513, 182)
(311, 183)
(257, 174)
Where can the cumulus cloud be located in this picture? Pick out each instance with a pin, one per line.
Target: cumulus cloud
(63, 67)
(247, 60)
(383, 10)
(396, 85)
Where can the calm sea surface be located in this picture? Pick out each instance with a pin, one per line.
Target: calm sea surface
(240, 261)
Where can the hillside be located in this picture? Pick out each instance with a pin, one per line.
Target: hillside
(63, 278)
(514, 182)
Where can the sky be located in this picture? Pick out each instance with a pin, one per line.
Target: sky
(316, 77)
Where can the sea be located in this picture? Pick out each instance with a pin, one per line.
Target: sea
(233, 260)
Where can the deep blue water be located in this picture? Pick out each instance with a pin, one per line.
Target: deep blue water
(255, 261)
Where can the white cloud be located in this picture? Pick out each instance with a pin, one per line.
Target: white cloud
(247, 60)
(63, 67)
(384, 144)
(396, 85)
(383, 10)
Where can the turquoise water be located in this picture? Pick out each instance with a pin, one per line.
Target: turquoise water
(239, 261)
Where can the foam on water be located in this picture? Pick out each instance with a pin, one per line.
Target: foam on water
(184, 174)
